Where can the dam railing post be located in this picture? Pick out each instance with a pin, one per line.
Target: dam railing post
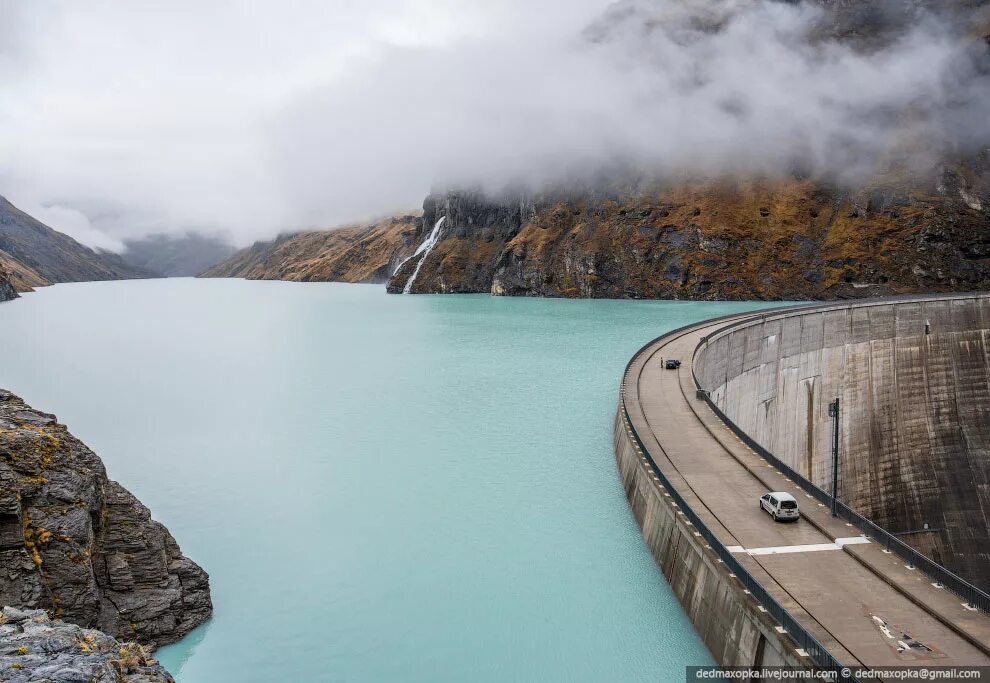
(833, 411)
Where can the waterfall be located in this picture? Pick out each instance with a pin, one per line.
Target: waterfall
(425, 248)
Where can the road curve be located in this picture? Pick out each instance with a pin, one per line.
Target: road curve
(864, 605)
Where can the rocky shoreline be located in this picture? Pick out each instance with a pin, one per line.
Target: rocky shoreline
(7, 290)
(81, 546)
(34, 647)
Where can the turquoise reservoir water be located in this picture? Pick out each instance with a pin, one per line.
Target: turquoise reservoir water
(383, 488)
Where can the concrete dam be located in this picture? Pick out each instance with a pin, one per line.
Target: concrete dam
(899, 577)
(913, 383)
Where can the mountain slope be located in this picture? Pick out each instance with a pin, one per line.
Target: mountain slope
(368, 253)
(55, 257)
(764, 238)
(21, 276)
(781, 238)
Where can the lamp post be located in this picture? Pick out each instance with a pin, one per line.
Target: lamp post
(833, 412)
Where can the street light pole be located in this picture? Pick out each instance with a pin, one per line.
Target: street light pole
(833, 411)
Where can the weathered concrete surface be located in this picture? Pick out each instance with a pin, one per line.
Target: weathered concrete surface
(735, 632)
(837, 592)
(915, 424)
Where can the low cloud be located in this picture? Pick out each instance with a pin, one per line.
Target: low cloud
(209, 117)
(671, 89)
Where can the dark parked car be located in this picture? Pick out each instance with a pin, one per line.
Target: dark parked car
(672, 364)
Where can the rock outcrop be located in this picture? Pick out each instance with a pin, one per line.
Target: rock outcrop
(34, 647)
(79, 544)
(46, 256)
(367, 253)
(7, 289)
(473, 235)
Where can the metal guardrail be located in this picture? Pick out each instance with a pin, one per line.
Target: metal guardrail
(804, 640)
(974, 597)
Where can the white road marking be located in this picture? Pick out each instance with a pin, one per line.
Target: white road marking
(786, 549)
(809, 548)
(852, 540)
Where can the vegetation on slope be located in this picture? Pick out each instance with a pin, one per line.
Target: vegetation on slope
(368, 253)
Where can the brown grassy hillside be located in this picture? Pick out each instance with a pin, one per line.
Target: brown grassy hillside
(366, 253)
(22, 277)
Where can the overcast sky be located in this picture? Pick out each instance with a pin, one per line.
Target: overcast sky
(120, 118)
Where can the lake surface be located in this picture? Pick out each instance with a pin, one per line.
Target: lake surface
(382, 488)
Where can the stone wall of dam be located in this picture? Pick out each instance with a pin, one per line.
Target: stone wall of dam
(913, 380)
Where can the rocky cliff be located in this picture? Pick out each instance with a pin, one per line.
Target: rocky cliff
(368, 253)
(470, 240)
(39, 255)
(79, 544)
(7, 289)
(35, 648)
(785, 238)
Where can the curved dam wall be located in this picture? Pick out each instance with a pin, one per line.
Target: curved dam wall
(736, 633)
(913, 379)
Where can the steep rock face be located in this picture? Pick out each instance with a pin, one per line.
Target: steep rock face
(79, 544)
(7, 290)
(33, 647)
(725, 239)
(53, 256)
(473, 234)
(368, 253)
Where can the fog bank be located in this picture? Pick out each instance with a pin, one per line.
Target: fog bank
(118, 122)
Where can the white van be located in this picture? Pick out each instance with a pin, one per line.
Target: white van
(781, 506)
